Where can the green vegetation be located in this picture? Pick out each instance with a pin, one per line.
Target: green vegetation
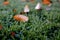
(42, 25)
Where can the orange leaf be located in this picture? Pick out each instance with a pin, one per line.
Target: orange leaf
(21, 18)
(1, 27)
(6, 2)
(46, 2)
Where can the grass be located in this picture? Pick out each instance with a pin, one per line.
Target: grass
(47, 27)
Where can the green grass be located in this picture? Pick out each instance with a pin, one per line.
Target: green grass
(47, 27)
